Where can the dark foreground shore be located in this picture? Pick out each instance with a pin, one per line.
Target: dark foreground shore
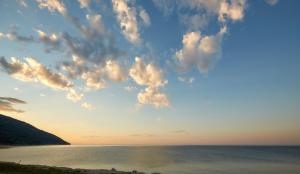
(15, 168)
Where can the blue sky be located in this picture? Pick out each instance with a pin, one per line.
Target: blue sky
(153, 72)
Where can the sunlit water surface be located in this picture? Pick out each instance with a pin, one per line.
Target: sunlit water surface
(164, 159)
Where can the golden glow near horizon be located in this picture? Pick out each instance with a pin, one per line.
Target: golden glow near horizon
(79, 132)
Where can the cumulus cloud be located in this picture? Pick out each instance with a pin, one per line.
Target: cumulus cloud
(95, 53)
(233, 10)
(151, 95)
(75, 68)
(96, 48)
(51, 42)
(94, 79)
(87, 106)
(145, 17)
(47, 77)
(52, 5)
(95, 21)
(14, 35)
(114, 71)
(90, 53)
(73, 95)
(224, 9)
(17, 69)
(152, 77)
(84, 3)
(146, 74)
(6, 104)
(200, 51)
(126, 17)
(59, 6)
(31, 70)
(95, 76)
(97, 44)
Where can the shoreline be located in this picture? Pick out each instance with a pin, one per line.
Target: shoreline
(16, 168)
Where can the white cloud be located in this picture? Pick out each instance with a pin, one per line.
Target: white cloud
(15, 36)
(73, 95)
(151, 95)
(31, 70)
(53, 37)
(145, 17)
(126, 16)
(93, 79)
(95, 21)
(52, 5)
(84, 3)
(51, 42)
(233, 10)
(200, 51)
(96, 46)
(95, 53)
(17, 69)
(114, 71)
(47, 77)
(146, 74)
(95, 75)
(224, 9)
(74, 68)
(87, 106)
(152, 77)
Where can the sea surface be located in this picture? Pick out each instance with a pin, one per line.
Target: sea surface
(164, 159)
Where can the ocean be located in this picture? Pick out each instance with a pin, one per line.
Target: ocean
(164, 159)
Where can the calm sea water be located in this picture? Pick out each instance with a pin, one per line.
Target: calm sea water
(164, 159)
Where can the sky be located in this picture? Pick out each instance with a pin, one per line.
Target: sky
(136, 72)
